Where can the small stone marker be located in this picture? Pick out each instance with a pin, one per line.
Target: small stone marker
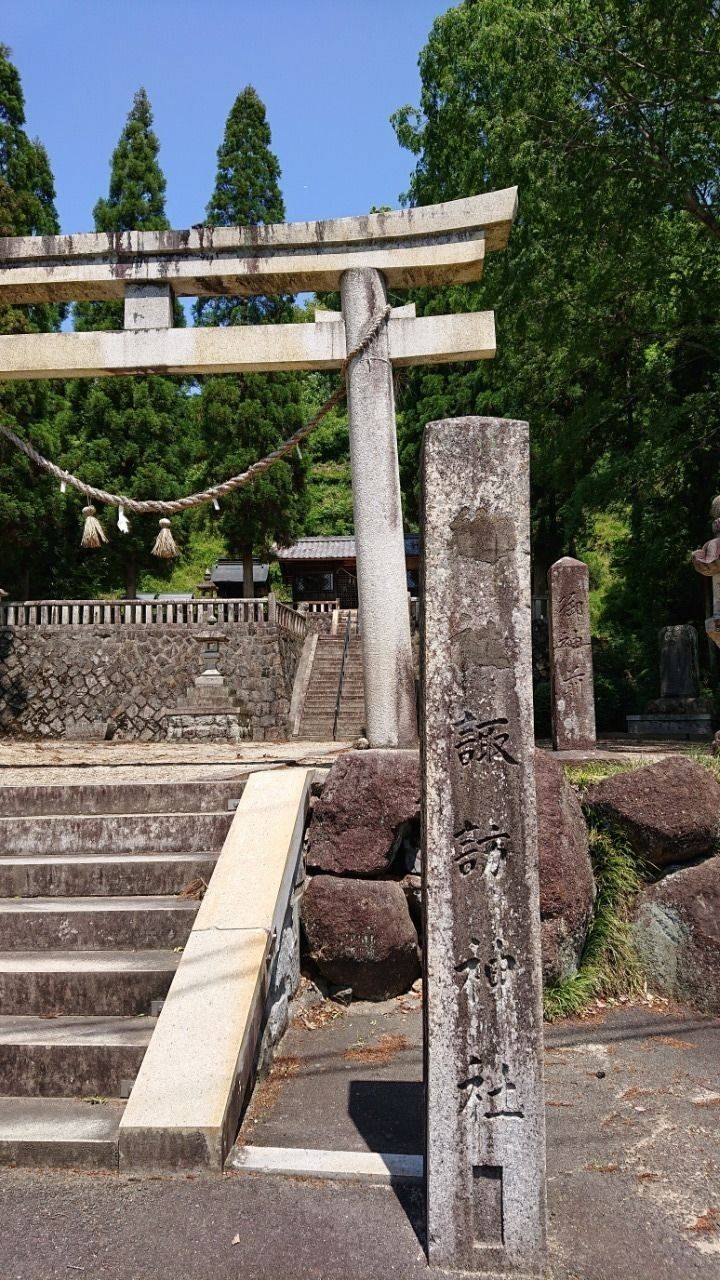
(571, 665)
(485, 1135)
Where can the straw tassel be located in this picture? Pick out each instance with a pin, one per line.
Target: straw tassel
(122, 521)
(165, 545)
(93, 532)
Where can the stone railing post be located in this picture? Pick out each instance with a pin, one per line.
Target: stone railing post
(379, 539)
(271, 608)
(572, 695)
(485, 1131)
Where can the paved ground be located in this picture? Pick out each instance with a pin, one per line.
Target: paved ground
(633, 1155)
(29, 763)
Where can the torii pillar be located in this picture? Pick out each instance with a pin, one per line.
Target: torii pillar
(390, 706)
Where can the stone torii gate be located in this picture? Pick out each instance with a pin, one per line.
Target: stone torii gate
(436, 245)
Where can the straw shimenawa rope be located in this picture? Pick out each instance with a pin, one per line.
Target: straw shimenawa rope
(165, 545)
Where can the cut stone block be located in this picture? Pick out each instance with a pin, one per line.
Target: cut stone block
(184, 1108)
(59, 1133)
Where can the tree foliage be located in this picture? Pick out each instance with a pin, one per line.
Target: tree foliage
(30, 511)
(242, 418)
(129, 435)
(607, 117)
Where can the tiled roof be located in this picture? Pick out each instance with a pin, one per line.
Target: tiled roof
(232, 571)
(335, 548)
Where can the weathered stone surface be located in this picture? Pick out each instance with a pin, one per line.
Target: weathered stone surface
(390, 715)
(359, 934)
(485, 1152)
(572, 699)
(677, 932)
(368, 802)
(679, 666)
(439, 244)
(669, 812)
(567, 887)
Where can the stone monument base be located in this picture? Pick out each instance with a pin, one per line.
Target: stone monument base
(207, 726)
(666, 725)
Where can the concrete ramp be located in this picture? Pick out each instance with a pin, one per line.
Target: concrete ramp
(231, 989)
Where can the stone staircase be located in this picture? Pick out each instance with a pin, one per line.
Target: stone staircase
(318, 715)
(91, 932)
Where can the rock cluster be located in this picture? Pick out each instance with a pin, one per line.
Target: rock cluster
(362, 910)
(356, 920)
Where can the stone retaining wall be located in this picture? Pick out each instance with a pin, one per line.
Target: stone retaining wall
(51, 677)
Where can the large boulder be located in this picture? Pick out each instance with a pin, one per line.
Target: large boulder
(369, 807)
(669, 812)
(677, 933)
(359, 934)
(567, 887)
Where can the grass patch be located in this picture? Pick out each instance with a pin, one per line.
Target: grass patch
(701, 755)
(583, 775)
(609, 965)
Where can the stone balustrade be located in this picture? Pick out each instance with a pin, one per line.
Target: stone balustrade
(78, 613)
(319, 606)
(289, 620)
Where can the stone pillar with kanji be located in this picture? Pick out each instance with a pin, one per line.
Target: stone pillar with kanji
(485, 1134)
(572, 694)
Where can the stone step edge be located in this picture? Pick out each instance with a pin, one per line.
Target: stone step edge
(298, 1162)
(105, 859)
(89, 905)
(59, 1132)
(27, 800)
(74, 1031)
(43, 818)
(58, 960)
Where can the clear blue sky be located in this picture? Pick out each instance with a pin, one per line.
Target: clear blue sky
(329, 71)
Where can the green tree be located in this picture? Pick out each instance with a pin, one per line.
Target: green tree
(30, 507)
(130, 435)
(606, 117)
(243, 418)
(329, 490)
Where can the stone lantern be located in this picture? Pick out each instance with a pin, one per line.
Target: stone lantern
(208, 712)
(207, 588)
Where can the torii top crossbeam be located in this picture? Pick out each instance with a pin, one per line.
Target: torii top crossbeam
(437, 244)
